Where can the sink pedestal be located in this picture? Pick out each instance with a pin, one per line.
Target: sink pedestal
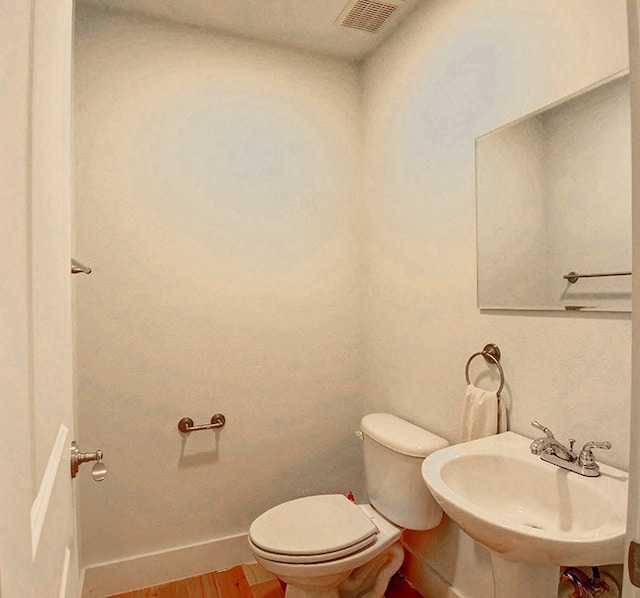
(524, 580)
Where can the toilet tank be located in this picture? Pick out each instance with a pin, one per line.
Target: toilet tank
(394, 450)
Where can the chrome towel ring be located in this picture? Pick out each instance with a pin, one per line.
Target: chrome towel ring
(491, 354)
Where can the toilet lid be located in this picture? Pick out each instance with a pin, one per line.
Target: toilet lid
(313, 525)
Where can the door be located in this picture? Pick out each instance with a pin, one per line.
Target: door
(38, 554)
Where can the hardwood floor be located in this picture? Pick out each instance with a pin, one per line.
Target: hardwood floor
(242, 581)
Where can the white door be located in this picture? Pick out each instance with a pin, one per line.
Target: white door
(38, 555)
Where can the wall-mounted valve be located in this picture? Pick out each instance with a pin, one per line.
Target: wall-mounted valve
(98, 471)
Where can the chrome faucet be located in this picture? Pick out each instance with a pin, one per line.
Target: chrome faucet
(548, 445)
(553, 451)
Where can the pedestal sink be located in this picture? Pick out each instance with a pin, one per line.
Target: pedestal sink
(533, 516)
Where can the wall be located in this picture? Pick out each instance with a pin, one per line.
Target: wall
(218, 205)
(18, 477)
(458, 70)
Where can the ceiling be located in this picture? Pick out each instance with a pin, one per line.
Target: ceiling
(305, 24)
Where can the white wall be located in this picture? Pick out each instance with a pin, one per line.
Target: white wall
(18, 476)
(218, 205)
(459, 69)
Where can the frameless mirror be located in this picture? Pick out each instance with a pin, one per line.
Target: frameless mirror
(553, 194)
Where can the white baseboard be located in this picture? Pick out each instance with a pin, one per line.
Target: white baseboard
(105, 579)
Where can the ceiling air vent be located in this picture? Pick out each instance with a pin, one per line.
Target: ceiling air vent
(368, 15)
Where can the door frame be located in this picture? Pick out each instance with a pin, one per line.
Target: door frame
(633, 500)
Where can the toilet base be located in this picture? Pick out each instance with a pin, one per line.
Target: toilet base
(367, 581)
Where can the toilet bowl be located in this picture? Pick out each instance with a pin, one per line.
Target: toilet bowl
(326, 546)
(341, 537)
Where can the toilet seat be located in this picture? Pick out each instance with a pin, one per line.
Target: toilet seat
(313, 529)
(306, 559)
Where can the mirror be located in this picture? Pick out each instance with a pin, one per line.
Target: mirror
(553, 193)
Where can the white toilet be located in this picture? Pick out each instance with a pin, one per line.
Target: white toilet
(326, 546)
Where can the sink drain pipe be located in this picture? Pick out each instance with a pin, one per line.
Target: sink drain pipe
(585, 586)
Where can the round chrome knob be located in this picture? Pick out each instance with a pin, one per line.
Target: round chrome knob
(99, 472)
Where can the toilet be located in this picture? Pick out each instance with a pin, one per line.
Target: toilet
(326, 546)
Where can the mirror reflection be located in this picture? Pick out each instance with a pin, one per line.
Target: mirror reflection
(553, 198)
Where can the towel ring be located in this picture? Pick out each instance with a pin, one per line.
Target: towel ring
(491, 354)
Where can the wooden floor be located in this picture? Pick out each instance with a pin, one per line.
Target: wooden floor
(242, 581)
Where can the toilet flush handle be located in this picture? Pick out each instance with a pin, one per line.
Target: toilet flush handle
(359, 434)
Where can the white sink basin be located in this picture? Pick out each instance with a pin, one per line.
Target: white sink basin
(527, 510)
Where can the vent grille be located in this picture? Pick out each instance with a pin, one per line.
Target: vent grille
(367, 15)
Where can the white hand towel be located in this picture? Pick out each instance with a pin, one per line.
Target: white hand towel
(482, 414)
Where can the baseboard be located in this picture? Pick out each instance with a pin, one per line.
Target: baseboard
(105, 579)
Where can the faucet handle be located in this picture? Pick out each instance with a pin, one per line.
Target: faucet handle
(586, 458)
(537, 424)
